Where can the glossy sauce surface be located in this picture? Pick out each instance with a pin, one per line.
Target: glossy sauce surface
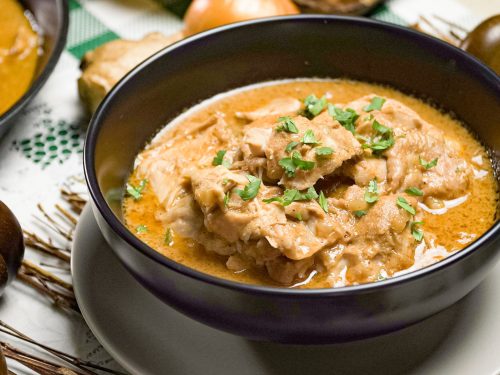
(465, 219)
(19, 48)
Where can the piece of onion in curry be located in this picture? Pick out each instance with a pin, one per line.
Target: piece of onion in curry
(311, 183)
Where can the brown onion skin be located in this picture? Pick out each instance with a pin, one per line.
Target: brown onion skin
(484, 42)
(207, 14)
(11, 246)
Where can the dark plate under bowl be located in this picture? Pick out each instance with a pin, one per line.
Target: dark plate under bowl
(52, 17)
(287, 47)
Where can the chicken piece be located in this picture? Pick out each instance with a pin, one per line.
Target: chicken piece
(414, 139)
(103, 67)
(276, 107)
(383, 241)
(354, 199)
(327, 132)
(367, 169)
(286, 271)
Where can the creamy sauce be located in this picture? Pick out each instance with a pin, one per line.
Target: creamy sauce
(18, 53)
(453, 227)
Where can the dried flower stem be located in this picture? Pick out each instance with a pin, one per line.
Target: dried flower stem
(75, 200)
(81, 364)
(34, 241)
(54, 225)
(33, 269)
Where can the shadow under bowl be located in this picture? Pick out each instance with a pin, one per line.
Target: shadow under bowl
(52, 16)
(216, 61)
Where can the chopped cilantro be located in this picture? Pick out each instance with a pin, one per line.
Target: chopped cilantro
(428, 165)
(403, 203)
(226, 198)
(418, 234)
(219, 159)
(359, 213)
(414, 191)
(250, 190)
(287, 125)
(309, 138)
(379, 128)
(136, 191)
(323, 202)
(288, 165)
(314, 106)
(291, 146)
(293, 195)
(376, 104)
(371, 193)
(300, 163)
(346, 118)
(141, 229)
(324, 151)
(382, 140)
(298, 216)
(169, 239)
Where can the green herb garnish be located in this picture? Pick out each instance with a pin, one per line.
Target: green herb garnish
(371, 193)
(287, 125)
(324, 151)
(382, 140)
(136, 191)
(428, 165)
(291, 146)
(309, 138)
(403, 203)
(250, 190)
(323, 202)
(359, 213)
(414, 191)
(418, 234)
(169, 238)
(219, 159)
(290, 165)
(346, 118)
(314, 106)
(299, 216)
(292, 195)
(226, 198)
(376, 104)
(141, 229)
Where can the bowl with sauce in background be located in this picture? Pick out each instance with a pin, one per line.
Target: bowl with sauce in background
(33, 35)
(311, 46)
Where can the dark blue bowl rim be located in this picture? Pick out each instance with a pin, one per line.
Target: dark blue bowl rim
(119, 228)
(37, 84)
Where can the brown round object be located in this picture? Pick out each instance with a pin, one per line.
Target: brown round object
(207, 14)
(484, 42)
(346, 7)
(11, 246)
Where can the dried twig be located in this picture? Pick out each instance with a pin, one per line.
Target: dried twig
(75, 200)
(74, 361)
(54, 225)
(36, 242)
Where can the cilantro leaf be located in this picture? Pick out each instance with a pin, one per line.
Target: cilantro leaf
(227, 196)
(376, 104)
(309, 138)
(141, 229)
(287, 125)
(169, 239)
(403, 203)
(360, 213)
(293, 195)
(324, 151)
(323, 202)
(428, 165)
(314, 106)
(418, 234)
(371, 193)
(291, 146)
(379, 128)
(136, 191)
(300, 163)
(346, 118)
(250, 190)
(414, 191)
(219, 159)
(288, 165)
(382, 140)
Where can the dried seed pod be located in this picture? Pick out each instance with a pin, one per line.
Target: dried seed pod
(11, 246)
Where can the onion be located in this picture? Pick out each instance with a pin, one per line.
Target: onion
(207, 14)
(11, 246)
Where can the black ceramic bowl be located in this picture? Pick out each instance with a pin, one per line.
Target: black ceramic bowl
(300, 46)
(52, 17)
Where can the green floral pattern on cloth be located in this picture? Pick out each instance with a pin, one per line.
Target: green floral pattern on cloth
(54, 142)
